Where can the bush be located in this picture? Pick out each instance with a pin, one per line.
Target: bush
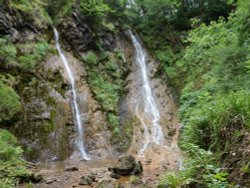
(31, 54)
(9, 102)
(12, 167)
(94, 9)
(8, 52)
(91, 59)
(200, 170)
(105, 79)
(32, 11)
(8, 150)
(27, 62)
(208, 121)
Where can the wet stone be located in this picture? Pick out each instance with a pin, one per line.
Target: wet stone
(127, 165)
(50, 181)
(92, 176)
(85, 181)
(115, 176)
(71, 169)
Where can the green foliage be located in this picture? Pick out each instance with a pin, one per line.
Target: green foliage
(34, 10)
(12, 167)
(114, 121)
(57, 8)
(105, 91)
(133, 179)
(199, 170)
(9, 102)
(105, 78)
(27, 62)
(8, 52)
(94, 9)
(9, 151)
(212, 75)
(91, 59)
(208, 121)
(27, 54)
(31, 54)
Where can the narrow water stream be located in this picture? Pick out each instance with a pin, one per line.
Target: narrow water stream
(146, 108)
(75, 105)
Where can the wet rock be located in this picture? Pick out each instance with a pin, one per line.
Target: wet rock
(5, 27)
(127, 166)
(85, 181)
(108, 184)
(30, 178)
(77, 33)
(92, 176)
(148, 161)
(115, 176)
(107, 41)
(71, 169)
(50, 181)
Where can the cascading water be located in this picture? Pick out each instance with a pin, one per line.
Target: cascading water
(75, 106)
(149, 116)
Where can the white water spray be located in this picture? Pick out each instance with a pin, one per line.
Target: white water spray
(150, 115)
(80, 140)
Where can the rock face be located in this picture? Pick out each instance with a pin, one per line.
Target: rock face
(80, 36)
(18, 24)
(165, 102)
(77, 33)
(127, 166)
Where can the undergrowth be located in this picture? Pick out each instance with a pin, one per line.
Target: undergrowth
(12, 166)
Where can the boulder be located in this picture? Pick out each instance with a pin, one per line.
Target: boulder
(85, 181)
(127, 165)
(115, 176)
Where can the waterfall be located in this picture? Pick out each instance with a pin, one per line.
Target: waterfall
(75, 106)
(150, 115)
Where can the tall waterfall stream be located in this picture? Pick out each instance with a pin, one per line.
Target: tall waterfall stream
(75, 106)
(149, 116)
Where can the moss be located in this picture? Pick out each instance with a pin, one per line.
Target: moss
(53, 114)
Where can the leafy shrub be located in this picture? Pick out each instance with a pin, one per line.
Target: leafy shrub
(42, 48)
(133, 179)
(9, 150)
(105, 79)
(9, 102)
(208, 121)
(199, 170)
(8, 51)
(31, 53)
(114, 121)
(94, 9)
(35, 10)
(91, 59)
(27, 62)
(12, 167)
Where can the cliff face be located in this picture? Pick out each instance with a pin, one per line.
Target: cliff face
(102, 62)
(44, 126)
